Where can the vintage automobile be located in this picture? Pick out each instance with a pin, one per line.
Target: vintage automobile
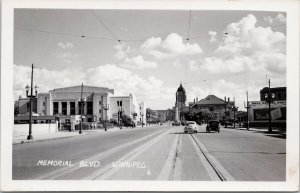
(191, 127)
(213, 125)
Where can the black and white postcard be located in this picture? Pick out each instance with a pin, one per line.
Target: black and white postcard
(150, 96)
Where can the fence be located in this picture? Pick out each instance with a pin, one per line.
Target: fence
(37, 129)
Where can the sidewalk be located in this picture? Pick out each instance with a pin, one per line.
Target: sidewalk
(263, 130)
(21, 139)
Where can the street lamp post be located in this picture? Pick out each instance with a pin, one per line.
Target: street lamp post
(247, 107)
(234, 109)
(31, 97)
(82, 102)
(269, 98)
(105, 108)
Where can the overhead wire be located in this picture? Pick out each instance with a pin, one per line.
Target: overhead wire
(63, 34)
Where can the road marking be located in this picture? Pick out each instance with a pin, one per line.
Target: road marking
(108, 170)
(166, 172)
(63, 171)
(219, 170)
(178, 162)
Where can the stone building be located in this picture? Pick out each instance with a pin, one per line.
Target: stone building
(99, 104)
(218, 108)
(128, 106)
(279, 93)
(259, 110)
(179, 103)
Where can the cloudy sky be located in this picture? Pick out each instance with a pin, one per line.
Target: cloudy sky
(149, 53)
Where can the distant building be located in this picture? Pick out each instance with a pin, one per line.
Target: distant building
(279, 93)
(218, 108)
(166, 115)
(64, 103)
(259, 110)
(23, 105)
(180, 102)
(126, 105)
(142, 116)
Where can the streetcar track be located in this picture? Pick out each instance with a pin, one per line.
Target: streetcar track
(220, 171)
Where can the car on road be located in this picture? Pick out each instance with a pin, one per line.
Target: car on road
(213, 125)
(191, 127)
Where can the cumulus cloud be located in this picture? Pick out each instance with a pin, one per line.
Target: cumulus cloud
(65, 45)
(280, 18)
(248, 47)
(123, 81)
(122, 51)
(138, 62)
(212, 35)
(172, 46)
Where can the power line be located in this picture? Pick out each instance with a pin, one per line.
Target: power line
(99, 20)
(188, 37)
(63, 34)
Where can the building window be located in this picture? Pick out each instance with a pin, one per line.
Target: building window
(89, 108)
(72, 108)
(68, 121)
(28, 105)
(100, 119)
(100, 103)
(55, 108)
(44, 103)
(64, 108)
(100, 111)
(119, 103)
(211, 108)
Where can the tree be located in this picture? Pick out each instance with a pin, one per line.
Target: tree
(126, 120)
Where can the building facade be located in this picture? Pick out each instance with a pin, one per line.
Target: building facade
(99, 104)
(127, 105)
(66, 102)
(218, 108)
(179, 102)
(279, 93)
(259, 110)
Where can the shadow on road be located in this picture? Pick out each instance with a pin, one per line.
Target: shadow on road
(275, 134)
(191, 133)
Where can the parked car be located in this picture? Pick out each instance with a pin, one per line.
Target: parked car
(191, 127)
(213, 125)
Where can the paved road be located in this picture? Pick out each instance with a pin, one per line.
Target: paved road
(155, 153)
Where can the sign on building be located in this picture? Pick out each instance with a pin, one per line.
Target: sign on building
(276, 113)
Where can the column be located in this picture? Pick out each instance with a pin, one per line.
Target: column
(68, 107)
(59, 108)
(76, 108)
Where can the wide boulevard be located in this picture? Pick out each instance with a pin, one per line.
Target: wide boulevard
(155, 153)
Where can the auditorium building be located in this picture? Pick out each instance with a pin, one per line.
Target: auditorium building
(99, 104)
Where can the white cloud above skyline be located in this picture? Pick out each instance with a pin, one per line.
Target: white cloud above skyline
(248, 47)
(171, 47)
(138, 62)
(66, 45)
(153, 68)
(280, 18)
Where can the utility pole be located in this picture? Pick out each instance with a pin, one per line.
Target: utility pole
(234, 109)
(269, 100)
(247, 111)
